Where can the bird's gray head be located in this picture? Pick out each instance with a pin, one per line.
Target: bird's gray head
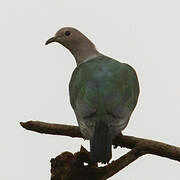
(78, 44)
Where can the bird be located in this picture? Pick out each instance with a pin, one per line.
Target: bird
(103, 92)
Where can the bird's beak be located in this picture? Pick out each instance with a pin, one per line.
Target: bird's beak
(53, 39)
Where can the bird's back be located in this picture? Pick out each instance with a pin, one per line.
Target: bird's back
(103, 87)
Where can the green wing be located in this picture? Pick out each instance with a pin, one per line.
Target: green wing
(116, 82)
(104, 86)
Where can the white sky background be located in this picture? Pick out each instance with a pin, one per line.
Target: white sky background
(34, 78)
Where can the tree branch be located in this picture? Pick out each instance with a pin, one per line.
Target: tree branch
(53, 129)
(68, 166)
(122, 162)
(148, 146)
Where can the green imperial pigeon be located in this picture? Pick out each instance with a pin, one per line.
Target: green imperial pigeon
(103, 92)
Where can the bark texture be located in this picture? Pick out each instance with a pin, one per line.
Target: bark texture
(68, 166)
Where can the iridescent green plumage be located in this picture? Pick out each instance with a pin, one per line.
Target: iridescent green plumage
(103, 93)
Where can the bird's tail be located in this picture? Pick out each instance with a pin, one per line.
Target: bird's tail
(100, 144)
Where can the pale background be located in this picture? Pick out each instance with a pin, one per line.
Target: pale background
(34, 78)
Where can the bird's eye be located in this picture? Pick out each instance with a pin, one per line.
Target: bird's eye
(67, 33)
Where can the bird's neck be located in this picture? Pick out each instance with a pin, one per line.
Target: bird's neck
(84, 52)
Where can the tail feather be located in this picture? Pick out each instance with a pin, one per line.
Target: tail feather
(100, 144)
